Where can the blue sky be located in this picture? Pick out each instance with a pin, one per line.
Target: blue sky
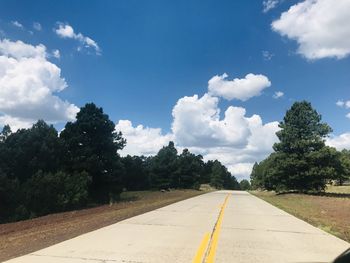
(153, 53)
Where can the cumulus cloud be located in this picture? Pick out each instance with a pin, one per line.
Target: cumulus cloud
(242, 89)
(67, 31)
(269, 4)
(142, 140)
(278, 94)
(28, 86)
(37, 26)
(17, 24)
(236, 140)
(339, 142)
(320, 27)
(197, 122)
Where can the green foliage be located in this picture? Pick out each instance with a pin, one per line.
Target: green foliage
(244, 185)
(301, 160)
(60, 191)
(163, 168)
(91, 144)
(136, 176)
(222, 178)
(25, 152)
(189, 169)
(42, 172)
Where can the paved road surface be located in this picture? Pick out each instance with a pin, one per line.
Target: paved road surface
(223, 226)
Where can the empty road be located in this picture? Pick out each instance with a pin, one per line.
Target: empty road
(223, 226)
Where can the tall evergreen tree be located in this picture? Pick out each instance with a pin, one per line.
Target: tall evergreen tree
(303, 162)
(91, 145)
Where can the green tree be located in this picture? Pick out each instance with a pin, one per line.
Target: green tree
(136, 176)
(164, 167)
(26, 151)
(60, 191)
(91, 145)
(302, 162)
(344, 173)
(244, 185)
(189, 169)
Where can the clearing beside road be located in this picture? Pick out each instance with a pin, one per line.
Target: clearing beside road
(23, 237)
(329, 211)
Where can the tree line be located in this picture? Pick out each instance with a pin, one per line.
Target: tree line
(43, 171)
(301, 161)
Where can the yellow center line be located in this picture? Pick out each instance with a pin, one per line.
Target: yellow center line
(210, 248)
(201, 250)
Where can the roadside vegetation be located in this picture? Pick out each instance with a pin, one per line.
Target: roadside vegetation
(305, 177)
(301, 162)
(43, 171)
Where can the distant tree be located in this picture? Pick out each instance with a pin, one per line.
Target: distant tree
(244, 185)
(189, 169)
(206, 173)
(136, 176)
(302, 161)
(164, 167)
(216, 178)
(344, 173)
(91, 145)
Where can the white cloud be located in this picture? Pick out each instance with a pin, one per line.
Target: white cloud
(340, 103)
(142, 140)
(347, 115)
(343, 104)
(321, 28)
(267, 55)
(56, 53)
(197, 122)
(29, 84)
(17, 24)
(235, 140)
(269, 4)
(278, 94)
(66, 31)
(37, 26)
(339, 142)
(241, 89)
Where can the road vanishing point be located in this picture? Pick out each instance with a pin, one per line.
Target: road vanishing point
(222, 226)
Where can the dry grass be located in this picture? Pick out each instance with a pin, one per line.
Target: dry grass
(345, 189)
(328, 212)
(23, 237)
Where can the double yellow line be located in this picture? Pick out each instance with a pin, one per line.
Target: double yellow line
(207, 249)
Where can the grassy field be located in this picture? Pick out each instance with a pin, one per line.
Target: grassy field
(330, 212)
(26, 236)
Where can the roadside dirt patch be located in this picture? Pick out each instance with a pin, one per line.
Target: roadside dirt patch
(23, 237)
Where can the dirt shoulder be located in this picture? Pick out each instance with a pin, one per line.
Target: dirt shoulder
(326, 212)
(23, 237)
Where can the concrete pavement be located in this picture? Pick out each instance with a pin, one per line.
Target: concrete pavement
(223, 226)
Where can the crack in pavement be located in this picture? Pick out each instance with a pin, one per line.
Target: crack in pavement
(274, 230)
(85, 258)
